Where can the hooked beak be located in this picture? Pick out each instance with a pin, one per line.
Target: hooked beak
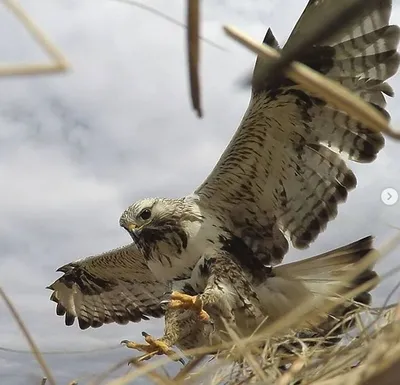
(134, 232)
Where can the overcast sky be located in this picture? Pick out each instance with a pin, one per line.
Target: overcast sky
(78, 148)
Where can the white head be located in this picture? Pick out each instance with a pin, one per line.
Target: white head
(155, 221)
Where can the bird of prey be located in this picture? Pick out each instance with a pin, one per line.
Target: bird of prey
(280, 179)
(290, 285)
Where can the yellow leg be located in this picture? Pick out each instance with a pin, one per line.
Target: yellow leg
(189, 302)
(154, 347)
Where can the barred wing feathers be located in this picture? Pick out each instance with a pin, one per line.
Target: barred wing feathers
(116, 286)
(284, 171)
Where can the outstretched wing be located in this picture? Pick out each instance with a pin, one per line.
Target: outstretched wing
(283, 171)
(116, 286)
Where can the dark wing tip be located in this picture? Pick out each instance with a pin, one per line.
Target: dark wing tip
(83, 324)
(54, 297)
(96, 324)
(69, 319)
(60, 309)
(65, 268)
(270, 39)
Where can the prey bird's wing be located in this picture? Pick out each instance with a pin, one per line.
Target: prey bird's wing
(285, 170)
(116, 286)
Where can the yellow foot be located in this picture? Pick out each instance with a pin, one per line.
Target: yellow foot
(184, 301)
(154, 347)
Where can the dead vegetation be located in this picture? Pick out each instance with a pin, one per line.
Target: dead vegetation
(368, 356)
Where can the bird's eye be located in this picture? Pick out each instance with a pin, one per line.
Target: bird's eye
(145, 214)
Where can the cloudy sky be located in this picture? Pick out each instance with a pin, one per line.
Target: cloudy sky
(77, 148)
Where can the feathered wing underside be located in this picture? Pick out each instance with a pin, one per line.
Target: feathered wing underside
(116, 286)
(370, 14)
(285, 169)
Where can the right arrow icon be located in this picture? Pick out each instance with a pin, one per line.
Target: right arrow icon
(389, 196)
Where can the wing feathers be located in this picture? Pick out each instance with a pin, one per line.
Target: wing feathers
(362, 64)
(347, 136)
(384, 40)
(285, 165)
(366, 25)
(116, 286)
(328, 183)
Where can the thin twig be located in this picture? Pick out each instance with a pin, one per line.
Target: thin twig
(288, 376)
(98, 379)
(246, 353)
(59, 61)
(156, 377)
(193, 49)
(189, 367)
(142, 369)
(29, 338)
(48, 352)
(164, 16)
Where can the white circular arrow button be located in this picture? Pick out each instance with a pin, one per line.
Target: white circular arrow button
(389, 196)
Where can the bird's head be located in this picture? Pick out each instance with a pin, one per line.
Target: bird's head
(152, 220)
(148, 212)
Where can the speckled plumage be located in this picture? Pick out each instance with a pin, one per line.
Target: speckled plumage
(116, 286)
(255, 302)
(280, 178)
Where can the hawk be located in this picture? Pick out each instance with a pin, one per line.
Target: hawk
(280, 179)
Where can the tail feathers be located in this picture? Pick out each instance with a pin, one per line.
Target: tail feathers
(328, 262)
(319, 277)
(318, 272)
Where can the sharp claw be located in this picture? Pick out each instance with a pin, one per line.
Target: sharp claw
(153, 347)
(166, 298)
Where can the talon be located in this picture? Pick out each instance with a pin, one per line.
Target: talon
(189, 302)
(154, 347)
(166, 298)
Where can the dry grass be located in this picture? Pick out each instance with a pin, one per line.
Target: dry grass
(193, 47)
(349, 362)
(372, 352)
(279, 356)
(58, 62)
(369, 356)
